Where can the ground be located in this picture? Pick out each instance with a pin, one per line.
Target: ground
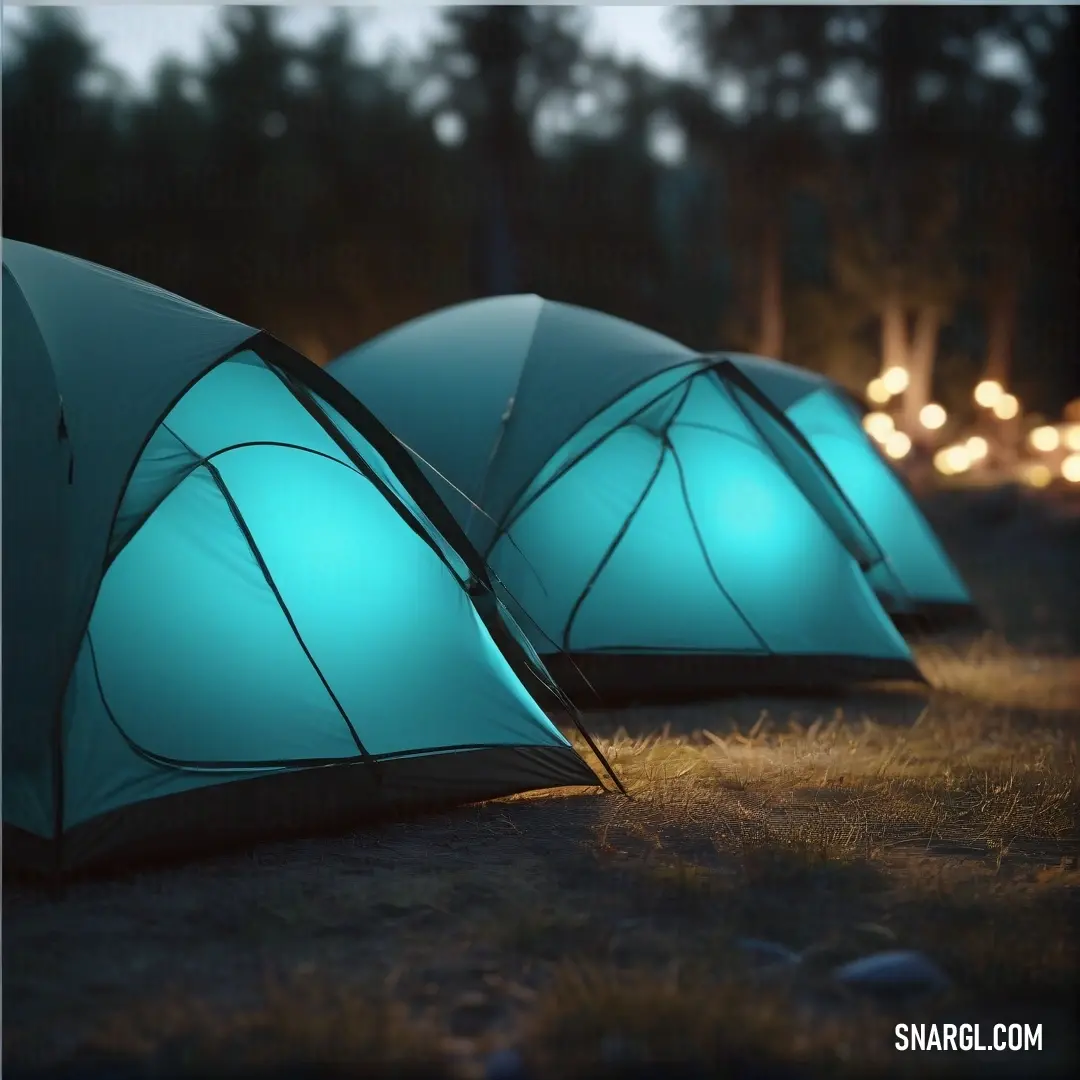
(589, 931)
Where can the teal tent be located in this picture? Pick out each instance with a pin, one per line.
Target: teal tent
(232, 606)
(655, 520)
(916, 582)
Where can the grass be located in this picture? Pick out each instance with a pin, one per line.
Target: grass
(592, 932)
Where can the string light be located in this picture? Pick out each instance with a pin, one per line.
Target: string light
(952, 460)
(1045, 438)
(988, 392)
(877, 392)
(897, 445)
(896, 380)
(878, 425)
(1038, 475)
(1006, 407)
(932, 416)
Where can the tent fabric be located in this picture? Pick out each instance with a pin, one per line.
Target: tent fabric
(917, 577)
(633, 497)
(219, 590)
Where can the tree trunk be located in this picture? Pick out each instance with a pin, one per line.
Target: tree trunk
(1002, 299)
(771, 296)
(920, 366)
(894, 143)
(895, 347)
(495, 257)
(736, 325)
(499, 42)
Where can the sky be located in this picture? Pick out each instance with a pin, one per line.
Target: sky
(134, 37)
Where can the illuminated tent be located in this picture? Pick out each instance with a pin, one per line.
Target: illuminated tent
(916, 581)
(655, 520)
(232, 607)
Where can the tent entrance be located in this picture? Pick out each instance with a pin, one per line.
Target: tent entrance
(220, 639)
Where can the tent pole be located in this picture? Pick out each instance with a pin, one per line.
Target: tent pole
(576, 717)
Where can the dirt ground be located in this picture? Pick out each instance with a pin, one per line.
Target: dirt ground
(581, 933)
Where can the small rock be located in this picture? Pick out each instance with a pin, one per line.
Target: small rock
(767, 953)
(507, 1064)
(876, 930)
(893, 974)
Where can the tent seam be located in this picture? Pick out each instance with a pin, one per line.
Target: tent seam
(511, 404)
(610, 551)
(713, 573)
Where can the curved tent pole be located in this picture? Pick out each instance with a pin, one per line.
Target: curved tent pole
(464, 546)
(474, 506)
(311, 376)
(268, 577)
(728, 370)
(852, 400)
(564, 700)
(537, 667)
(710, 564)
(484, 577)
(697, 359)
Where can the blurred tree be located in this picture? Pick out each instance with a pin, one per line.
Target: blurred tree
(763, 66)
(386, 230)
(259, 190)
(958, 86)
(158, 232)
(600, 230)
(483, 61)
(1052, 326)
(327, 197)
(501, 69)
(59, 133)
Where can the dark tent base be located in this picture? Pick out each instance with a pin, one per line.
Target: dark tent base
(291, 805)
(929, 619)
(654, 678)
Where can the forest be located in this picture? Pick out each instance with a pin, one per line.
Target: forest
(846, 188)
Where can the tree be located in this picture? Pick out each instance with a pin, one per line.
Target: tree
(941, 112)
(499, 67)
(778, 56)
(59, 134)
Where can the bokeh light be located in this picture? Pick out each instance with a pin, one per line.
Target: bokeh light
(878, 425)
(952, 460)
(1045, 438)
(896, 380)
(897, 445)
(1006, 407)
(1038, 475)
(987, 393)
(932, 416)
(1072, 437)
(1070, 469)
(877, 392)
(977, 448)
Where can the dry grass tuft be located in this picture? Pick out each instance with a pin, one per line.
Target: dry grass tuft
(988, 670)
(300, 1021)
(593, 1020)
